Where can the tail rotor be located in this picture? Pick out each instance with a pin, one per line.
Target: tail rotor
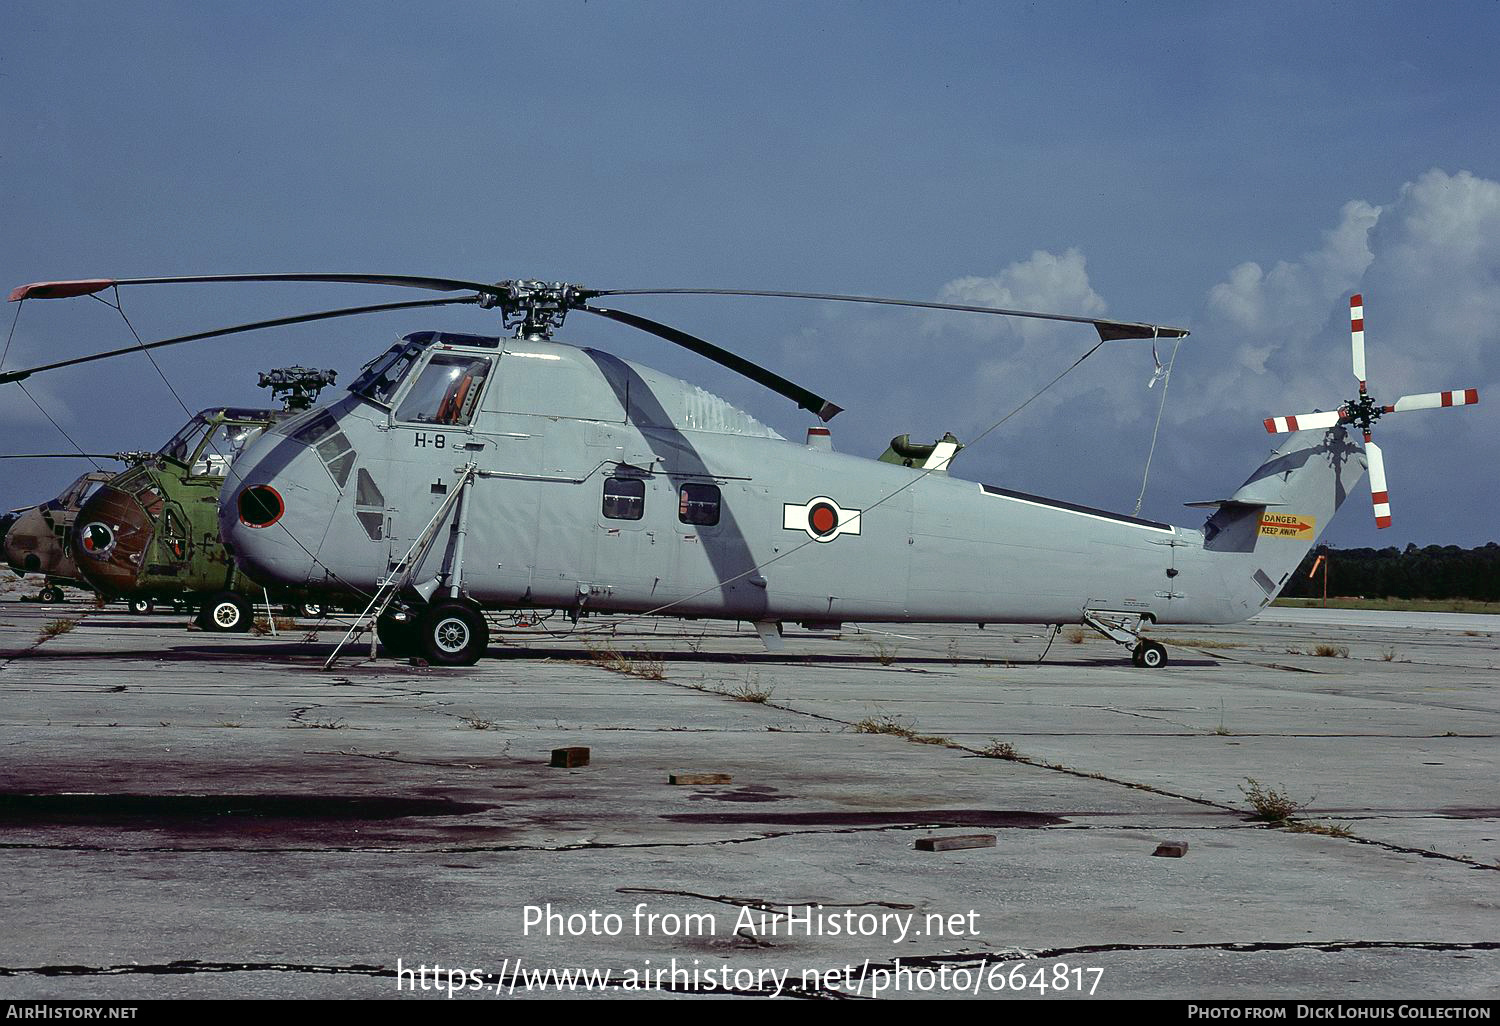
(1363, 411)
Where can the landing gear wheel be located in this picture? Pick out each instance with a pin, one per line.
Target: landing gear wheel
(226, 612)
(397, 637)
(50, 595)
(142, 606)
(1150, 655)
(451, 633)
(310, 611)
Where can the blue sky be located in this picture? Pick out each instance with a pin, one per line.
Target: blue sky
(1235, 168)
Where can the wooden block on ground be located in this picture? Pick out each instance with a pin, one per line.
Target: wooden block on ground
(953, 842)
(567, 758)
(699, 778)
(1171, 849)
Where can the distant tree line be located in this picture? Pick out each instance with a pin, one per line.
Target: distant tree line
(1434, 572)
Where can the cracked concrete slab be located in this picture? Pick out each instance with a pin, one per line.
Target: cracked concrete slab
(185, 814)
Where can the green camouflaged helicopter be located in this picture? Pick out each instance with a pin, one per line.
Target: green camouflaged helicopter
(150, 534)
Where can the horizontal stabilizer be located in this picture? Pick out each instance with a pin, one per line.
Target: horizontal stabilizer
(1237, 501)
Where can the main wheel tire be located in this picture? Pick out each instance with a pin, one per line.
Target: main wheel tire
(1153, 655)
(227, 612)
(50, 595)
(142, 606)
(452, 633)
(397, 637)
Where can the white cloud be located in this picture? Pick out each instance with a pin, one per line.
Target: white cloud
(1292, 298)
(1428, 263)
(1046, 283)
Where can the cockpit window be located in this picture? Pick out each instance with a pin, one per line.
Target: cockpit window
(384, 374)
(185, 442)
(447, 390)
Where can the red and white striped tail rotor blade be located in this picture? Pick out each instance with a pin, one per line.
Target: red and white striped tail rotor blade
(1357, 337)
(1302, 422)
(1435, 400)
(1378, 495)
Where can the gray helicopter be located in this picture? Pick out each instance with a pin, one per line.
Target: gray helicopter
(465, 473)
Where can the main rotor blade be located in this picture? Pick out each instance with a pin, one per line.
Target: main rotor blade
(1357, 337)
(1435, 400)
(1378, 495)
(811, 401)
(279, 322)
(62, 456)
(1303, 422)
(1109, 331)
(89, 286)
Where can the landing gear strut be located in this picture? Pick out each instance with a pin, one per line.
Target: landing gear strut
(1125, 629)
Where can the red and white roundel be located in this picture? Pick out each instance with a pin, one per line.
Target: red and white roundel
(821, 518)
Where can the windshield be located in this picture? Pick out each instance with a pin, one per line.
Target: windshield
(382, 375)
(447, 390)
(185, 442)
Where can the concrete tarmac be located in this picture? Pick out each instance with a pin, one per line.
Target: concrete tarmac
(192, 814)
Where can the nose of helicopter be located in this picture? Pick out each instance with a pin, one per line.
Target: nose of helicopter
(110, 539)
(274, 512)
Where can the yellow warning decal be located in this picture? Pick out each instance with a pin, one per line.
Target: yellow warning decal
(1287, 525)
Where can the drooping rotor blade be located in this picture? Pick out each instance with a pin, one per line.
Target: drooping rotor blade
(1435, 400)
(62, 456)
(89, 286)
(1378, 495)
(804, 398)
(1303, 422)
(1357, 337)
(279, 322)
(1109, 331)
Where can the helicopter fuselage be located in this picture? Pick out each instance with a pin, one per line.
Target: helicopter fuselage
(521, 473)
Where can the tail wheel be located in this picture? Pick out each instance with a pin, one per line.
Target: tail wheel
(1151, 655)
(452, 633)
(226, 612)
(142, 606)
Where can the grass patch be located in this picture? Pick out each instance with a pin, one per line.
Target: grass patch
(751, 691)
(1325, 829)
(1075, 636)
(886, 654)
(1396, 605)
(998, 749)
(55, 627)
(475, 723)
(1200, 642)
(639, 663)
(262, 626)
(898, 728)
(1331, 651)
(1271, 805)
(317, 725)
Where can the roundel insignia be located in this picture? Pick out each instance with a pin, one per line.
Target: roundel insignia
(97, 539)
(821, 518)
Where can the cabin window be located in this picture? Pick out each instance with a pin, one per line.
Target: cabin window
(698, 504)
(624, 498)
(446, 391)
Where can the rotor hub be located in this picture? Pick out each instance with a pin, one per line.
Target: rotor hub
(533, 309)
(1362, 411)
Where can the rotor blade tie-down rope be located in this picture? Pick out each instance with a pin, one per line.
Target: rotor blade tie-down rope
(1165, 374)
